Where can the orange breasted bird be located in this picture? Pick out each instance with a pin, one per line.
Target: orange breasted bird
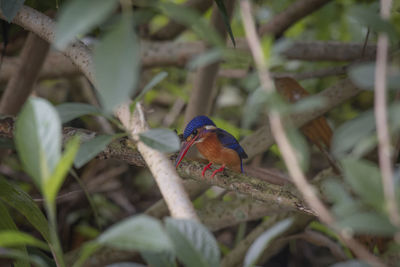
(216, 145)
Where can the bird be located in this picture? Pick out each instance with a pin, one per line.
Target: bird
(215, 144)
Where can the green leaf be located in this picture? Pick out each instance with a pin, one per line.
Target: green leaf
(225, 18)
(261, 243)
(140, 232)
(38, 139)
(79, 17)
(12, 238)
(156, 79)
(367, 223)
(116, 63)
(194, 245)
(309, 103)
(163, 259)
(85, 252)
(22, 202)
(300, 146)
(192, 19)
(204, 59)
(9, 8)
(70, 111)
(255, 103)
(365, 179)
(22, 257)
(52, 185)
(163, 140)
(363, 75)
(91, 148)
(7, 222)
(368, 15)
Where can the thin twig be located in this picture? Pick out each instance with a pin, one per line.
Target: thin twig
(288, 153)
(381, 119)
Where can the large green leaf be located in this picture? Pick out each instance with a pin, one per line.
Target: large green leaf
(116, 60)
(52, 185)
(12, 238)
(163, 140)
(78, 17)
(9, 8)
(259, 245)
(91, 148)
(38, 139)
(22, 202)
(363, 75)
(368, 223)
(70, 111)
(7, 222)
(194, 245)
(365, 179)
(140, 232)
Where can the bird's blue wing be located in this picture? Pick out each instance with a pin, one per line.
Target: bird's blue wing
(227, 140)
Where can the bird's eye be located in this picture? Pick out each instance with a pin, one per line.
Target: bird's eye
(194, 133)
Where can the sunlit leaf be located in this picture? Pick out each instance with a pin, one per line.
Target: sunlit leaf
(163, 140)
(365, 179)
(91, 148)
(10, 8)
(70, 111)
(12, 238)
(38, 139)
(367, 223)
(52, 185)
(141, 233)
(23, 203)
(78, 17)
(116, 60)
(194, 244)
(259, 245)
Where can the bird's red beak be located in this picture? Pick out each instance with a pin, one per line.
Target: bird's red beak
(184, 149)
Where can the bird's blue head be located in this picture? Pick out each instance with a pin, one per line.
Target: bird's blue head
(193, 133)
(196, 123)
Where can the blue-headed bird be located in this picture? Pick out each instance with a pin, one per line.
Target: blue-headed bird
(216, 145)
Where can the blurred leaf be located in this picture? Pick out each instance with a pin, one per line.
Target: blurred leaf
(12, 238)
(225, 18)
(191, 18)
(308, 103)
(347, 136)
(70, 111)
(85, 251)
(7, 223)
(367, 223)
(91, 148)
(365, 179)
(10, 8)
(156, 79)
(140, 232)
(20, 256)
(116, 63)
(204, 59)
(350, 263)
(163, 140)
(195, 246)
(38, 139)
(162, 259)
(79, 17)
(363, 75)
(255, 104)
(52, 185)
(300, 145)
(369, 16)
(22, 202)
(261, 243)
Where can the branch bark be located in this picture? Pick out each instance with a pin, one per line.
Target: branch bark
(22, 80)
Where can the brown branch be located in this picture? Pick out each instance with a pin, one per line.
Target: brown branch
(202, 94)
(295, 12)
(173, 28)
(22, 80)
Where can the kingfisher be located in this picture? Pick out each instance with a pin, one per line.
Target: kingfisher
(215, 144)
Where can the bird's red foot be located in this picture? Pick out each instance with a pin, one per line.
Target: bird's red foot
(206, 168)
(217, 170)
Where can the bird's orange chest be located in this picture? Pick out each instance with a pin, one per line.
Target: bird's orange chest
(211, 148)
